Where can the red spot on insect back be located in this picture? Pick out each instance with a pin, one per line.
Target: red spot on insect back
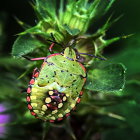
(78, 101)
(28, 90)
(51, 121)
(51, 107)
(68, 114)
(33, 113)
(36, 74)
(30, 107)
(28, 99)
(59, 119)
(81, 93)
(32, 81)
(56, 98)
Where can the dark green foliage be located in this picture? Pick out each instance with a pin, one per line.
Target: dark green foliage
(107, 79)
(27, 44)
(109, 108)
(47, 9)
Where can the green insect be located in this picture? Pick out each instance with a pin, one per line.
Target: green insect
(56, 88)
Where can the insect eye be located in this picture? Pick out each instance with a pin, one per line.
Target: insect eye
(78, 56)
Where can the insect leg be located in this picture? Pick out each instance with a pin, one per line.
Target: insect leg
(51, 46)
(39, 58)
(34, 59)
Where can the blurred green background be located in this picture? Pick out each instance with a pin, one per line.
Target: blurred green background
(17, 124)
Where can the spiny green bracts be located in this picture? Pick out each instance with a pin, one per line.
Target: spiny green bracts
(66, 23)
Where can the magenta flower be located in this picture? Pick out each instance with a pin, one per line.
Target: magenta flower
(4, 119)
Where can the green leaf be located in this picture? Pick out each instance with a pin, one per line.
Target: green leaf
(36, 30)
(102, 30)
(99, 8)
(72, 32)
(94, 8)
(31, 30)
(22, 24)
(24, 45)
(108, 79)
(61, 10)
(132, 91)
(8, 86)
(108, 5)
(104, 6)
(9, 61)
(46, 8)
(27, 118)
(130, 55)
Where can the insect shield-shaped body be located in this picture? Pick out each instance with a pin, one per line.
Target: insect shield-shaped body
(56, 89)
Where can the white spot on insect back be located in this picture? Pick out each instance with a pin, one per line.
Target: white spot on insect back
(36, 111)
(33, 105)
(54, 112)
(60, 105)
(76, 98)
(72, 105)
(50, 92)
(41, 113)
(60, 115)
(48, 100)
(64, 98)
(52, 118)
(67, 95)
(44, 107)
(67, 111)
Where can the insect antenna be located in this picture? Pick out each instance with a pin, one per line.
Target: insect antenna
(93, 56)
